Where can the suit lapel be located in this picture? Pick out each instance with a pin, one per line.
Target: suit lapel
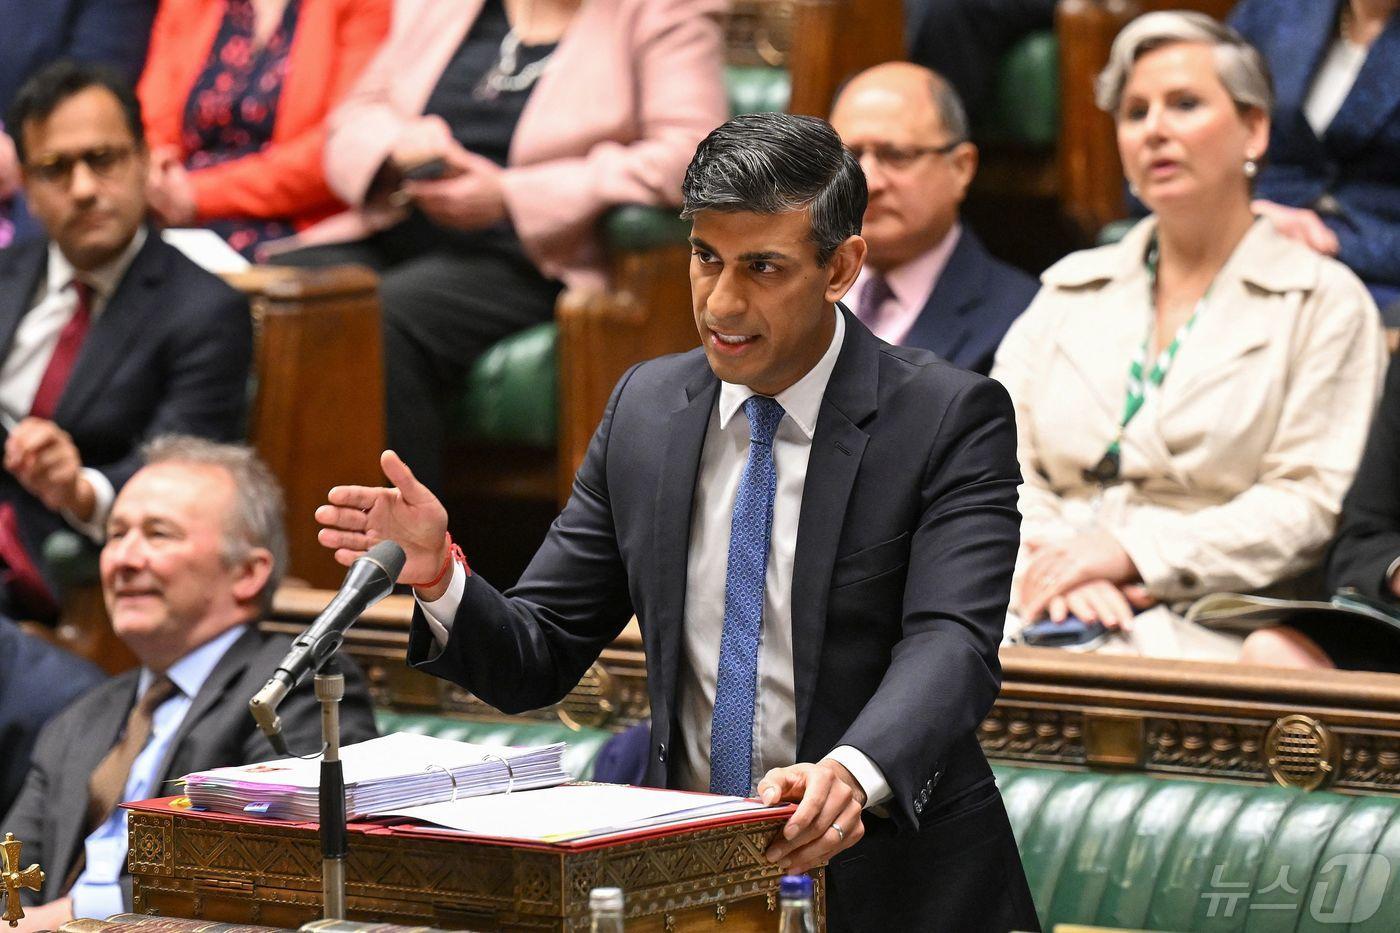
(228, 669)
(837, 448)
(123, 322)
(21, 268)
(944, 326)
(1306, 32)
(1372, 100)
(675, 496)
(70, 807)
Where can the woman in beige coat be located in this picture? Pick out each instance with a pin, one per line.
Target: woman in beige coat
(1191, 401)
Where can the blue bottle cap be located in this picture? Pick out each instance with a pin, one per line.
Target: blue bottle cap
(795, 886)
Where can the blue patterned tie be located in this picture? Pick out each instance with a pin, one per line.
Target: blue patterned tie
(731, 730)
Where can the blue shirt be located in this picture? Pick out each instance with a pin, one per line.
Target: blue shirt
(98, 891)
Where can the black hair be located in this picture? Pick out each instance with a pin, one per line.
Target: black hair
(775, 163)
(40, 96)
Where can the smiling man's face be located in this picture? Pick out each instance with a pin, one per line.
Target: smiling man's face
(168, 584)
(762, 303)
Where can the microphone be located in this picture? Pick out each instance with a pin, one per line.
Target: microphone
(369, 580)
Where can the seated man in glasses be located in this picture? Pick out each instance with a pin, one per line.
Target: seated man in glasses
(107, 335)
(928, 281)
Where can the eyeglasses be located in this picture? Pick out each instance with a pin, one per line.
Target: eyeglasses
(102, 161)
(898, 158)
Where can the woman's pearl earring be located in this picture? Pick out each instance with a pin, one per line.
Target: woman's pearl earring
(1251, 167)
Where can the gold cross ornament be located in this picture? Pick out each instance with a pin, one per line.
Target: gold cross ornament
(15, 878)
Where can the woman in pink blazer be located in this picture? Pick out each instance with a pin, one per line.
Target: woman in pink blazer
(479, 150)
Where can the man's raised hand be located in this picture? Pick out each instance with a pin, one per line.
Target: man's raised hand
(358, 517)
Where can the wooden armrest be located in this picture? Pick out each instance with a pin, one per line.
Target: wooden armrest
(318, 415)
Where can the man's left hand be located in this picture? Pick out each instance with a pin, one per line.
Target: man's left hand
(45, 461)
(48, 916)
(828, 818)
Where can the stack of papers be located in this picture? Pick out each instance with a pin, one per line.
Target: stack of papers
(577, 812)
(388, 773)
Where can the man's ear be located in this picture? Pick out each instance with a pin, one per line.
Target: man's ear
(843, 267)
(253, 573)
(964, 161)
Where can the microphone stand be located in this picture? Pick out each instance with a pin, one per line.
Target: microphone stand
(335, 847)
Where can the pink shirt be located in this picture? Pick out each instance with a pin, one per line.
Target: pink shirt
(911, 284)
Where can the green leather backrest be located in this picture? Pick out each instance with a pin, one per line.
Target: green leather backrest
(584, 744)
(1136, 852)
(1025, 108)
(511, 395)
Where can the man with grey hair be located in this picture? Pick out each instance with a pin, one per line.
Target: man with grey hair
(816, 531)
(928, 281)
(195, 547)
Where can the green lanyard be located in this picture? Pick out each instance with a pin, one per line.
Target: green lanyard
(1110, 464)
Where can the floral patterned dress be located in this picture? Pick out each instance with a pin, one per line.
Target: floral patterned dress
(232, 108)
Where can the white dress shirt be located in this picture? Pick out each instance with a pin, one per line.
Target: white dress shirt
(722, 461)
(36, 337)
(1330, 88)
(910, 284)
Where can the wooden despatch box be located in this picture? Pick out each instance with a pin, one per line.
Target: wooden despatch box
(209, 866)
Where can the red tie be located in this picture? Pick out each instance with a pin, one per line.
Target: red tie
(29, 594)
(65, 354)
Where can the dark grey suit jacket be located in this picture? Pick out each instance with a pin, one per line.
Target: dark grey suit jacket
(217, 731)
(170, 353)
(906, 539)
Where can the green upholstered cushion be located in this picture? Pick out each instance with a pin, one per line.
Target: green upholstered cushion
(71, 558)
(757, 89)
(511, 394)
(584, 744)
(1127, 850)
(1025, 107)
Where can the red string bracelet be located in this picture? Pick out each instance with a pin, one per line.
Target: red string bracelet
(454, 552)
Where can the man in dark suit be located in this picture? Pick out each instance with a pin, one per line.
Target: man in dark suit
(107, 335)
(37, 680)
(928, 281)
(816, 531)
(194, 553)
(37, 32)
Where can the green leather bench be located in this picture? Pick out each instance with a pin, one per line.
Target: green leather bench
(1137, 852)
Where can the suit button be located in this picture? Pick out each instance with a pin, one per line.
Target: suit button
(936, 776)
(661, 752)
(918, 807)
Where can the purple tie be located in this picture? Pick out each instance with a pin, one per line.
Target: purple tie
(873, 295)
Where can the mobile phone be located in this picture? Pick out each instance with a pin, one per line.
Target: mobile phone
(431, 170)
(1073, 633)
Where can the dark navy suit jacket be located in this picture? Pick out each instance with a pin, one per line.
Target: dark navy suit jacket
(1357, 160)
(38, 32)
(906, 539)
(971, 306)
(169, 353)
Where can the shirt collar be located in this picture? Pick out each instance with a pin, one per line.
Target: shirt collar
(913, 281)
(190, 672)
(803, 399)
(103, 279)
